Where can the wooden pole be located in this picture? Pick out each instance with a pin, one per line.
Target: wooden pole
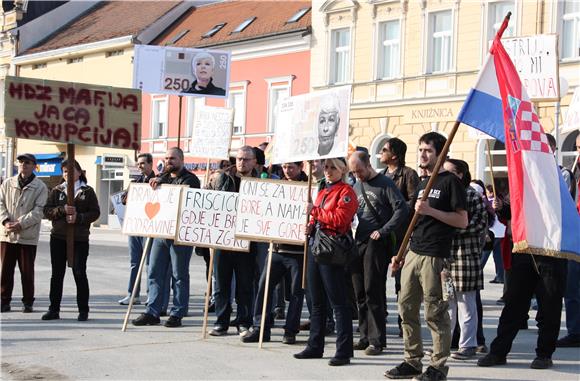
(305, 264)
(179, 122)
(206, 178)
(440, 161)
(265, 301)
(137, 281)
(489, 158)
(207, 293)
(70, 200)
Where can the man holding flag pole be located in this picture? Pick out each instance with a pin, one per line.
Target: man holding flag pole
(545, 224)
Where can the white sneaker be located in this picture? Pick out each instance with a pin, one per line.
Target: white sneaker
(126, 299)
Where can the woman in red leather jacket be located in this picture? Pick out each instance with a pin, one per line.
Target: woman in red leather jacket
(333, 211)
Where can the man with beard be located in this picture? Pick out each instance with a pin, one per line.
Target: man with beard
(165, 253)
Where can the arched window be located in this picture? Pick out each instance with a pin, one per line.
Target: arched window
(376, 149)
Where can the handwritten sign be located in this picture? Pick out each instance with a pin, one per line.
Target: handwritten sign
(207, 218)
(73, 113)
(212, 132)
(536, 60)
(272, 210)
(152, 213)
(118, 206)
(312, 126)
(181, 71)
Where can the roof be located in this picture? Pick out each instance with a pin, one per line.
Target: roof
(109, 20)
(271, 19)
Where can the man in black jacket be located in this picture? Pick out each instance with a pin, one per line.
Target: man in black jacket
(164, 253)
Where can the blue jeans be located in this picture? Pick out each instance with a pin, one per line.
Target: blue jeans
(136, 246)
(497, 259)
(164, 255)
(572, 299)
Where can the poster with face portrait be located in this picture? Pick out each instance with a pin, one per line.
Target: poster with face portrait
(312, 126)
(181, 71)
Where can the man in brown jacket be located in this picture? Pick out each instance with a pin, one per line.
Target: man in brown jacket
(22, 199)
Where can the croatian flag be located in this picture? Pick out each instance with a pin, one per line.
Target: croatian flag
(544, 217)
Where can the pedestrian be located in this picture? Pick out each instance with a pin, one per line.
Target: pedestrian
(466, 270)
(382, 211)
(441, 214)
(286, 259)
(136, 243)
(22, 199)
(165, 254)
(333, 211)
(82, 214)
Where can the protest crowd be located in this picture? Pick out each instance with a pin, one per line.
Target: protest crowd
(458, 228)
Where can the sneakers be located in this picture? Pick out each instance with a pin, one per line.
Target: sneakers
(403, 370)
(568, 341)
(432, 374)
(373, 350)
(339, 361)
(51, 315)
(541, 363)
(83, 316)
(464, 353)
(5, 308)
(360, 346)
(481, 349)
(27, 308)
(125, 301)
(173, 322)
(491, 360)
(289, 339)
(253, 336)
(146, 319)
(218, 331)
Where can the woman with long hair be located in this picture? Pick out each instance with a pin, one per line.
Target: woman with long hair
(84, 212)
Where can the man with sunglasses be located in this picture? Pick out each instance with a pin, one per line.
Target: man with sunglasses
(22, 200)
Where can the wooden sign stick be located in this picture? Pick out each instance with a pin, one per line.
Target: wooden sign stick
(70, 200)
(305, 264)
(137, 281)
(265, 300)
(207, 293)
(206, 178)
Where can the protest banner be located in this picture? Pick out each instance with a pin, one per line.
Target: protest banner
(181, 71)
(312, 126)
(207, 218)
(572, 121)
(73, 113)
(272, 210)
(152, 212)
(212, 132)
(118, 206)
(536, 60)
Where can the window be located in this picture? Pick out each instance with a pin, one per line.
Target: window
(214, 30)
(277, 92)
(440, 33)
(237, 101)
(159, 119)
(39, 66)
(297, 16)
(340, 55)
(243, 25)
(192, 104)
(495, 15)
(74, 60)
(571, 29)
(389, 49)
(178, 37)
(114, 53)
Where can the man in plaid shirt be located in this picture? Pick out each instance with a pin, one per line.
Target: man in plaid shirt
(466, 268)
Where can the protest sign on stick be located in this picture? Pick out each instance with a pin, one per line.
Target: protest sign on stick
(212, 132)
(118, 206)
(72, 113)
(152, 212)
(207, 218)
(272, 210)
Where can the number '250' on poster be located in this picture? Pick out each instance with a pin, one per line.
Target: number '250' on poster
(182, 71)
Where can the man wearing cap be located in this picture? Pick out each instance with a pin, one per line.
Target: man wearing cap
(22, 199)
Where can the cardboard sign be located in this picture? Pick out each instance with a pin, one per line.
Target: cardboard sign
(536, 60)
(207, 218)
(118, 207)
(181, 71)
(74, 113)
(212, 132)
(152, 213)
(272, 210)
(312, 126)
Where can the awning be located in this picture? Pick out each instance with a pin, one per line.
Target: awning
(48, 164)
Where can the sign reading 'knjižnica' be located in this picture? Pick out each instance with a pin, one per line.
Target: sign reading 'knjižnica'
(73, 113)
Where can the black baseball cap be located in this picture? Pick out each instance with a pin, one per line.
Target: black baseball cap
(26, 156)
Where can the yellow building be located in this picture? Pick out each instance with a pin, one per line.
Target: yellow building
(412, 63)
